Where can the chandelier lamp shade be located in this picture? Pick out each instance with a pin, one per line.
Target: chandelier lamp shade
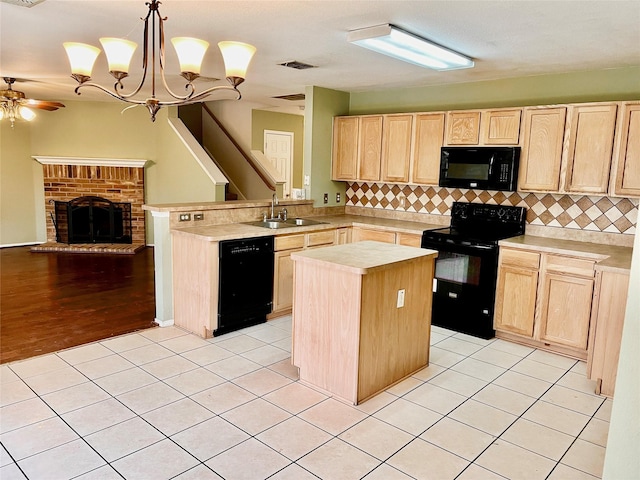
(190, 51)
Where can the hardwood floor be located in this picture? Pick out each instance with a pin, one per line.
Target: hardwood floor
(52, 301)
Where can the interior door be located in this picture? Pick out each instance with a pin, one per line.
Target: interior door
(278, 148)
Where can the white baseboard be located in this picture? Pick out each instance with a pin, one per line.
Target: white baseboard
(164, 323)
(26, 244)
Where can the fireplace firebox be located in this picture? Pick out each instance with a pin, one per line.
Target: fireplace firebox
(92, 219)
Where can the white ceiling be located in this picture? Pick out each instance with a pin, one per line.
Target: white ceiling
(506, 38)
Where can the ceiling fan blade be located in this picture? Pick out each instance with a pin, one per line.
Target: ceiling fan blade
(41, 104)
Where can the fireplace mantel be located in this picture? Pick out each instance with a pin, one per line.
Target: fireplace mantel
(101, 162)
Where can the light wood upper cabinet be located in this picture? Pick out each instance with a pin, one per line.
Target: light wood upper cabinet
(427, 141)
(627, 171)
(396, 147)
(370, 147)
(345, 148)
(501, 127)
(463, 128)
(590, 148)
(541, 154)
(516, 291)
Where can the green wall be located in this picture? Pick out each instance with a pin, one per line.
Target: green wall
(589, 86)
(321, 106)
(262, 120)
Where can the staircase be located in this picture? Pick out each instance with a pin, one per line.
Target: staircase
(246, 179)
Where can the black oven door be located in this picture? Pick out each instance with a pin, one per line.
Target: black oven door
(464, 287)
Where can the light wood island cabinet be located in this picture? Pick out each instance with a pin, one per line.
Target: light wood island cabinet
(352, 335)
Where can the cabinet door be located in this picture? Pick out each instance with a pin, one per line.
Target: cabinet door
(409, 239)
(361, 234)
(343, 235)
(515, 300)
(370, 148)
(566, 310)
(627, 181)
(590, 148)
(501, 127)
(463, 128)
(427, 142)
(283, 281)
(345, 148)
(542, 149)
(396, 148)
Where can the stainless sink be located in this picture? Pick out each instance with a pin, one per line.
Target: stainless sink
(274, 223)
(303, 222)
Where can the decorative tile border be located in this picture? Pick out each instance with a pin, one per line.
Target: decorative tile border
(601, 214)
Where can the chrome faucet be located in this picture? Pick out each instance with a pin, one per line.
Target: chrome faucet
(274, 202)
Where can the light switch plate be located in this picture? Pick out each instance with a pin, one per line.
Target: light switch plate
(400, 302)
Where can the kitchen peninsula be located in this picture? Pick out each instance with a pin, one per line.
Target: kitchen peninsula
(361, 316)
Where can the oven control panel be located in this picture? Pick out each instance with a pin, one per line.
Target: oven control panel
(480, 215)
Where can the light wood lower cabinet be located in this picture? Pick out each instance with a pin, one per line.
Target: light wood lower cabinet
(343, 235)
(516, 292)
(605, 335)
(360, 234)
(547, 306)
(284, 246)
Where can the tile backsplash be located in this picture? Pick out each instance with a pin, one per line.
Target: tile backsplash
(599, 214)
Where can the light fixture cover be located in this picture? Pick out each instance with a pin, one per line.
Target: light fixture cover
(395, 42)
(81, 57)
(119, 53)
(26, 113)
(236, 56)
(190, 53)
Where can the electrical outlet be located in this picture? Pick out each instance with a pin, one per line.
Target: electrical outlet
(185, 217)
(198, 216)
(338, 197)
(307, 180)
(400, 302)
(326, 198)
(402, 200)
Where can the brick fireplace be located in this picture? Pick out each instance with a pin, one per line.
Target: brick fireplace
(116, 180)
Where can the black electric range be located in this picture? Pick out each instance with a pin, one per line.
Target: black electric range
(467, 264)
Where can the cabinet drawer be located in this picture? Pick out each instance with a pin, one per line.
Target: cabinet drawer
(326, 237)
(570, 266)
(361, 234)
(288, 242)
(409, 239)
(519, 258)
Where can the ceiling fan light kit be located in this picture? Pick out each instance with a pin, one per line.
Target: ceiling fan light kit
(190, 51)
(402, 45)
(15, 106)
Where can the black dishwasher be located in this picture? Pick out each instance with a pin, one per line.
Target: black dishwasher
(245, 282)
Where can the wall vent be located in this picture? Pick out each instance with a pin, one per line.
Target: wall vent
(297, 65)
(292, 97)
(23, 3)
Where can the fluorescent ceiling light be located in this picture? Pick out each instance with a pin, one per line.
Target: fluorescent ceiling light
(397, 43)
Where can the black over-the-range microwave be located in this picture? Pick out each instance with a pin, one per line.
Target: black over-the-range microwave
(485, 168)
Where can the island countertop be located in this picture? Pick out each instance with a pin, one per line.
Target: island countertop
(362, 257)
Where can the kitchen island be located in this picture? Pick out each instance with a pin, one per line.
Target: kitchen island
(361, 316)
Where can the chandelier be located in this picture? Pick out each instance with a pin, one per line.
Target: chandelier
(190, 53)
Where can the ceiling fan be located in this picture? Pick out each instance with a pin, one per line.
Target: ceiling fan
(14, 104)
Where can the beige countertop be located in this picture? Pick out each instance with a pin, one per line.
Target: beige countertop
(229, 231)
(608, 257)
(362, 257)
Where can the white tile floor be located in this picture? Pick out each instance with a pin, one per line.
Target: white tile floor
(163, 404)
